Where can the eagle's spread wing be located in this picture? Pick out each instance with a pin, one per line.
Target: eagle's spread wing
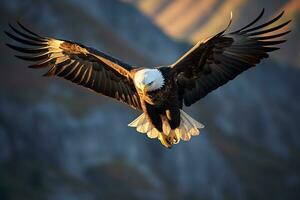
(82, 65)
(211, 64)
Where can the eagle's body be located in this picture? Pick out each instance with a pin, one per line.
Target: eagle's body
(159, 92)
(160, 102)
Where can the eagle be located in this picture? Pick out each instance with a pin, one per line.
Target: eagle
(159, 92)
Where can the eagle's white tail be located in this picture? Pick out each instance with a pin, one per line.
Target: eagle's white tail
(188, 128)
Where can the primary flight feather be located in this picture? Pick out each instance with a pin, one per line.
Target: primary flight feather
(159, 92)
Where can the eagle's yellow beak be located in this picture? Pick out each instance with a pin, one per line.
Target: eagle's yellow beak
(145, 88)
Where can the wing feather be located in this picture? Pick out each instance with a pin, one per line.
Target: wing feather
(222, 57)
(75, 62)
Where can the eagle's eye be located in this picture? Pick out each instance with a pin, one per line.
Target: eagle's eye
(151, 83)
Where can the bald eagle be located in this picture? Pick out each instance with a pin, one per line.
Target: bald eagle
(159, 92)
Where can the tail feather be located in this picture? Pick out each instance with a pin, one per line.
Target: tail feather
(135, 122)
(188, 127)
(144, 128)
(153, 133)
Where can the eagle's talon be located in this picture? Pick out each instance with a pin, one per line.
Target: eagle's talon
(175, 140)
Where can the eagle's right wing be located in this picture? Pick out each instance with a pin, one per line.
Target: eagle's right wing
(82, 65)
(214, 62)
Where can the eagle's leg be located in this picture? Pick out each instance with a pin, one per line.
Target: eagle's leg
(173, 116)
(154, 117)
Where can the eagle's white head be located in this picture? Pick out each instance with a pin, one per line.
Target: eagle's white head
(148, 80)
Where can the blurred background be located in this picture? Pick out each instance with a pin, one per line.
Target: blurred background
(59, 141)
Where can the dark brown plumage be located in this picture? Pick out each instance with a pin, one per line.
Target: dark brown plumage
(82, 65)
(211, 64)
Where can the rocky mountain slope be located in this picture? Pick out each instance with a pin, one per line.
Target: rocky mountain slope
(58, 141)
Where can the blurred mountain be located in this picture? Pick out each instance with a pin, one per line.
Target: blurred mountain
(194, 20)
(59, 141)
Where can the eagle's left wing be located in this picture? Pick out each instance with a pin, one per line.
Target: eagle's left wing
(80, 64)
(214, 62)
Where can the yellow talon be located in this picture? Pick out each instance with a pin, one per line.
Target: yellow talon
(168, 140)
(165, 140)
